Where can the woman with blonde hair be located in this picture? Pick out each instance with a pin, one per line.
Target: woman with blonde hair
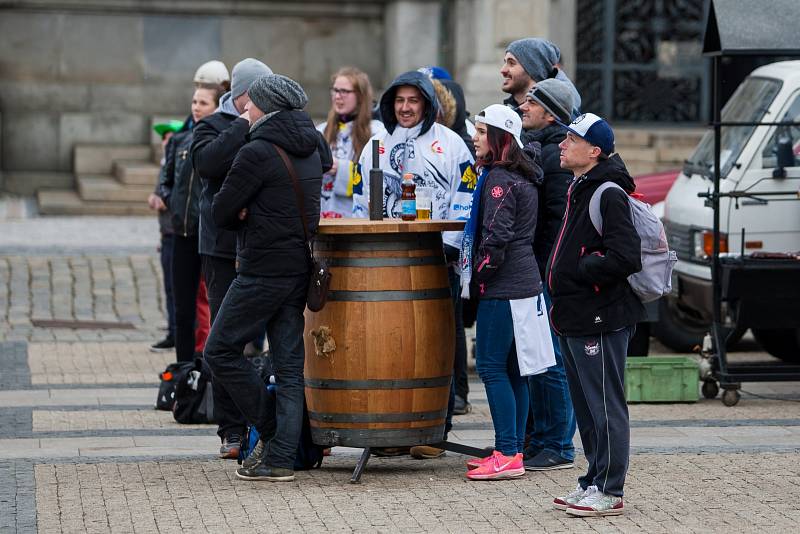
(347, 130)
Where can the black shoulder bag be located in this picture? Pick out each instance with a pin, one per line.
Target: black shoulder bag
(320, 279)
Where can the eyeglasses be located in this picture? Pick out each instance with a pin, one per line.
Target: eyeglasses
(335, 91)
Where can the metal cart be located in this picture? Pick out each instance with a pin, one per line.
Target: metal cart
(762, 291)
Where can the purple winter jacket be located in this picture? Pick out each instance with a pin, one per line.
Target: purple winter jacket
(504, 265)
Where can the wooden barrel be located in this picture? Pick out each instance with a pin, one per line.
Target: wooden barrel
(390, 314)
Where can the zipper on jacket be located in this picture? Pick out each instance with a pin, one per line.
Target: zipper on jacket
(560, 236)
(188, 201)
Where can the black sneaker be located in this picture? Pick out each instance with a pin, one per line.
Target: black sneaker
(530, 452)
(461, 406)
(168, 343)
(256, 455)
(547, 461)
(230, 447)
(265, 472)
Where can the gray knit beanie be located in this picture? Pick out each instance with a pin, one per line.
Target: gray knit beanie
(555, 97)
(537, 56)
(244, 73)
(275, 92)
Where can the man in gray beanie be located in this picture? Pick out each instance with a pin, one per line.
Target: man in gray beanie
(258, 198)
(272, 93)
(531, 60)
(217, 140)
(244, 74)
(551, 426)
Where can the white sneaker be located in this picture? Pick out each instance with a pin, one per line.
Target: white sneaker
(562, 503)
(595, 503)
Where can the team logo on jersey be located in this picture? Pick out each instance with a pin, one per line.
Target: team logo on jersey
(468, 178)
(436, 147)
(400, 153)
(592, 348)
(497, 191)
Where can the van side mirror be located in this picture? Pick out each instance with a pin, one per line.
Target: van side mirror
(784, 150)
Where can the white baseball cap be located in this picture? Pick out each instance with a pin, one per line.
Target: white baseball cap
(212, 73)
(504, 118)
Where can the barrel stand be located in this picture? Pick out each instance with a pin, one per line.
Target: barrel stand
(446, 445)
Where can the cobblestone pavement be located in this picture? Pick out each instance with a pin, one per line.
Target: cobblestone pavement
(82, 450)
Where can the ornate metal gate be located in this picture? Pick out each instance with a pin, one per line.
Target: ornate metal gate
(640, 60)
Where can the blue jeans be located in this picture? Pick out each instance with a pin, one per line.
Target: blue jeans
(249, 302)
(497, 365)
(551, 407)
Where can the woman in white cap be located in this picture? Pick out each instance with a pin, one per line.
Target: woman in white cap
(213, 75)
(499, 268)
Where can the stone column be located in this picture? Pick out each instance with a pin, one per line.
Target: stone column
(485, 27)
(413, 36)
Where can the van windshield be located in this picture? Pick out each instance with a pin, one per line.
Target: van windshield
(749, 103)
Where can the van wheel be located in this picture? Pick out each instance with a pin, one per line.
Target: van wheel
(681, 332)
(640, 342)
(783, 343)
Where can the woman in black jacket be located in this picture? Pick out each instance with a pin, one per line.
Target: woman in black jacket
(499, 268)
(180, 190)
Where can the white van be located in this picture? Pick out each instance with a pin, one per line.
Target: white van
(748, 160)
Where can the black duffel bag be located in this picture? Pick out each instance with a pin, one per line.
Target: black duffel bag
(194, 398)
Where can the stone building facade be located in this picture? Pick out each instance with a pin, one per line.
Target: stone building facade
(97, 71)
(76, 72)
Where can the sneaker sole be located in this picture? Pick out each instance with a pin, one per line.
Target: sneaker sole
(427, 456)
(594, 513)
(497, 476)
(155, 350)
(550, 468)
(232, 455)
(288, 478)
(560, 506)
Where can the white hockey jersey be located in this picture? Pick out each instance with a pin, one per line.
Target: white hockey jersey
(438, 159)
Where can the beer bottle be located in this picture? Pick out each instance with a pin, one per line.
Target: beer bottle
(408, 199)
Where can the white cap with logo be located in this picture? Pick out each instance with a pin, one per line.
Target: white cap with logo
(504, 118)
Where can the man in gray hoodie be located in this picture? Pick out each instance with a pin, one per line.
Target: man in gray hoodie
(217, 140)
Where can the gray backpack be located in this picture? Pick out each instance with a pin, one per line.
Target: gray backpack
(655, 278)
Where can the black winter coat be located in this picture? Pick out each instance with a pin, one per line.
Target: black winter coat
(179, 186)
(504, 266)
(587, 273)
(271, 240)
(552, 193)
(217, 140)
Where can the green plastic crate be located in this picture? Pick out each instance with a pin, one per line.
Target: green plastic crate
(661, 379)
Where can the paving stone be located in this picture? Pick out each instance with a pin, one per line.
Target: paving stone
(406, 495)
(113, 362)
(14, 371)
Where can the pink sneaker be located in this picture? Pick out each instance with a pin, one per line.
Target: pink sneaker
(477, 462)
(498, 467)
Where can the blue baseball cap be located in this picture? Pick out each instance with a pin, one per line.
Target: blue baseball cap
(436, 73)
(594, 130)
